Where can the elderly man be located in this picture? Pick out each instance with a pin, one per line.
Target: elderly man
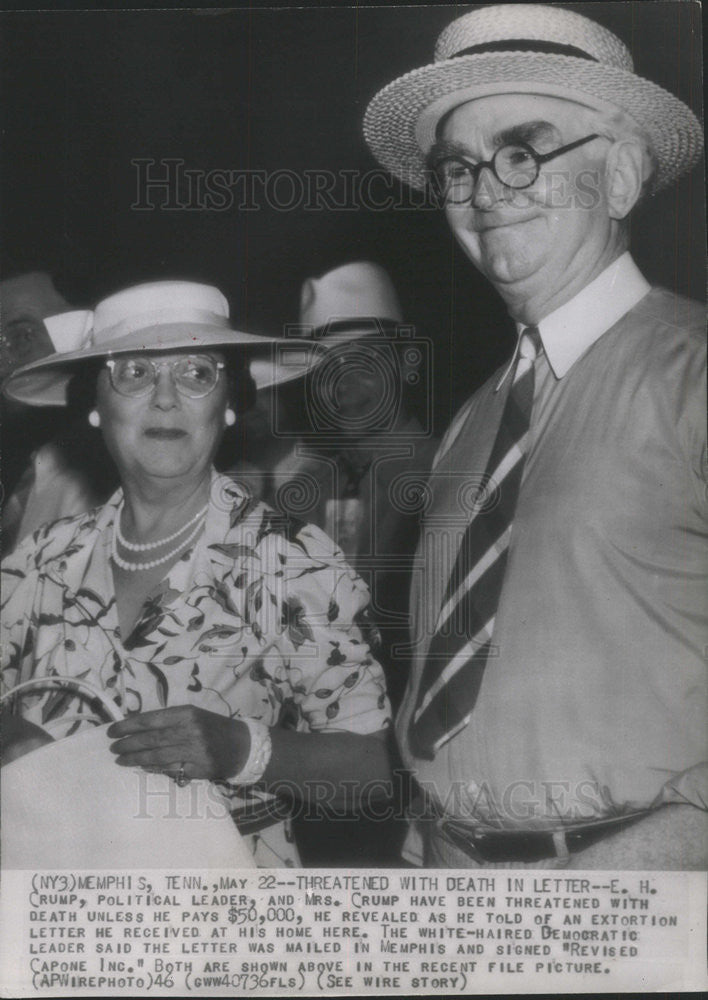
(556, 711)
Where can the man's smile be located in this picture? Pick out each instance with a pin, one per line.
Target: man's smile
(486, 225)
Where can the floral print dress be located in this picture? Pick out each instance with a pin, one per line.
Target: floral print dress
(262, 617)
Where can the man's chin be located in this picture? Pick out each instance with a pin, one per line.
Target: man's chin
(509, 263)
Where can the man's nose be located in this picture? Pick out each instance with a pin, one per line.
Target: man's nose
(164, 393)
(488, 189)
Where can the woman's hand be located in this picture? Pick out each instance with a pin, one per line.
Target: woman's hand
(341, 767)
(204, 744)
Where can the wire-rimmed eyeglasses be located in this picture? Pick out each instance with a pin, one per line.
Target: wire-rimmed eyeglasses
(516, 165)
(194, 375)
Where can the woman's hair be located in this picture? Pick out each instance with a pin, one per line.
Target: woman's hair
(242, 397)
(81, 389)
(241, 387)
(84, 450)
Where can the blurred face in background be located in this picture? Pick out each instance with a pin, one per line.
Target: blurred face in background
(358, 386)
(25, 301)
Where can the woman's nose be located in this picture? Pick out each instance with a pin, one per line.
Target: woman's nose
(164, 393)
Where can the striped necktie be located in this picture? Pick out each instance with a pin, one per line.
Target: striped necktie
(462, 641)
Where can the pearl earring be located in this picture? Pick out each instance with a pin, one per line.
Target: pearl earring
(94, 418)
(229, 418)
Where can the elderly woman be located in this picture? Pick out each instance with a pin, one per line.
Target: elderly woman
(226, 634)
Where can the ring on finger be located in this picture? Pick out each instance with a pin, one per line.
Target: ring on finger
(181, 778)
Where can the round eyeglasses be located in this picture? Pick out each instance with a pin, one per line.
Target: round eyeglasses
(194, 375)
(516, 165)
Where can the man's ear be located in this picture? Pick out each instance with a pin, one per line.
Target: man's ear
(624, 173)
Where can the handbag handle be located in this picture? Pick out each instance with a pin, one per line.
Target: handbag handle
(58, 680)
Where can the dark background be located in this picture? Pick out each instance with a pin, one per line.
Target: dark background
(85, 93)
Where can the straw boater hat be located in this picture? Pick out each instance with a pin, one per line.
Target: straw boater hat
(352, 301)
(154, 317)
(526, 48)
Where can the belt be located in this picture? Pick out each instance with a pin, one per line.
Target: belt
(483, 844)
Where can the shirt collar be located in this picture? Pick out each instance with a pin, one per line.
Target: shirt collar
(571, 330)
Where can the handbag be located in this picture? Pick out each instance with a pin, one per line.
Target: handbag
(68, 804)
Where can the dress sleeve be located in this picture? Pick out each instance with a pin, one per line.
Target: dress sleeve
(32, 607)
(18, 587)
(335, 681)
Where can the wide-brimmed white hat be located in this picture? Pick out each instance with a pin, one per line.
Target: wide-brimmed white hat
(352, 301)
(157, 316)
(534, 49)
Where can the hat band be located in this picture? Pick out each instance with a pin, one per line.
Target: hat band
(525, 45)
(158, 317)
(69, 331)
(371, 324)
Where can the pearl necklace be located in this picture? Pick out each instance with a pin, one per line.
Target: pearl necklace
(151, 563)
(135, 547)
